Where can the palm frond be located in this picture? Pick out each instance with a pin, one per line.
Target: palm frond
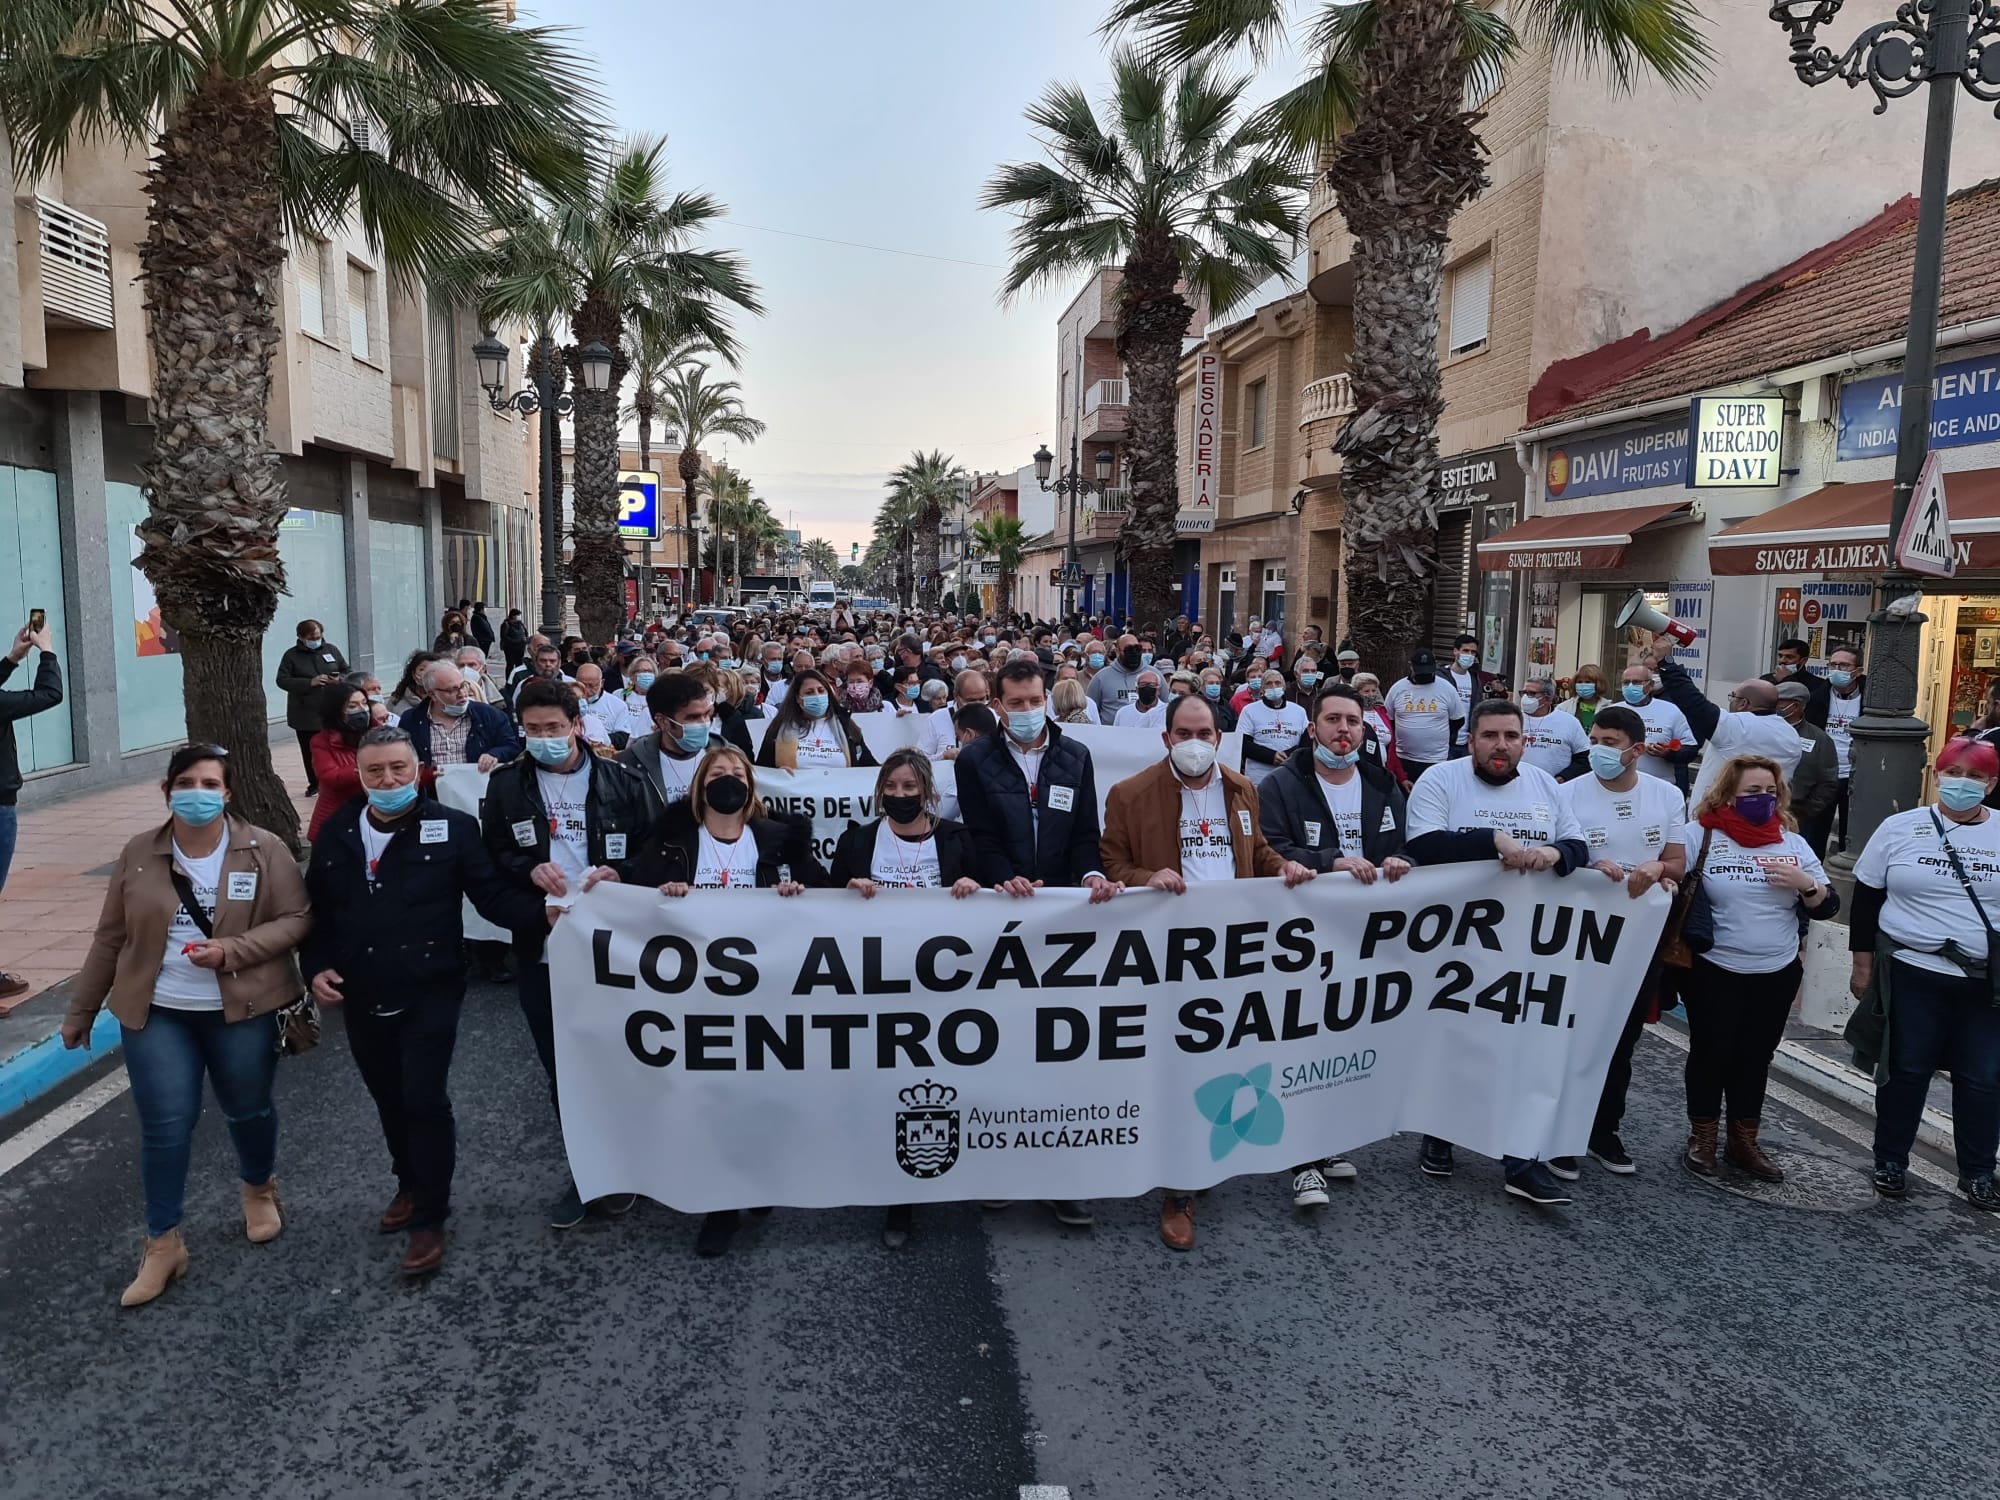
(1626, 38)
(1180, 30)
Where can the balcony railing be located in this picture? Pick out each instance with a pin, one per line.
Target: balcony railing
(1103, 393)
(1116, 500)
(76, 264)
(1331, 397)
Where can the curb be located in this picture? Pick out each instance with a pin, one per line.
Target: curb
(1843, 1085)
(31, 1071)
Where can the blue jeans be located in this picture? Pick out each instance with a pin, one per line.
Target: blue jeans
(165, 1060)
(1939, 1021)
(10, 823)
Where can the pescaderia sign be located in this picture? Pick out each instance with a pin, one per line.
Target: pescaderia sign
(726, 1050)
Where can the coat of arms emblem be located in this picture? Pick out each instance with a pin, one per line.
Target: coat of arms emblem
(927, 1130)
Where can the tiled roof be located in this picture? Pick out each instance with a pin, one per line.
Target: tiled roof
(1847, 295)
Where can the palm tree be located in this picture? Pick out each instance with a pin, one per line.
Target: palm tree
(852, 578)
(932, 482)
(655, 358)
(741, 515)
(1001, 538)
(249, 111)
(1383, 105)
(894, 544)
(700, 409)
(614, 256)
(1173, 187)
(819, 557)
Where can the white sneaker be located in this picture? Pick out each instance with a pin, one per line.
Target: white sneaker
(1338, 1169)
(1309, 1189)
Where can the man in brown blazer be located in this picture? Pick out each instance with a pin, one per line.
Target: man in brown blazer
(1186, 821)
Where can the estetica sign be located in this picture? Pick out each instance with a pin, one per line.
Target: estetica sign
(1737, 442)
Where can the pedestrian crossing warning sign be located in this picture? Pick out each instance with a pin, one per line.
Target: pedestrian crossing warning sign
(1923, 544)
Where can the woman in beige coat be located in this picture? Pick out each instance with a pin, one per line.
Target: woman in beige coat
(194, 952)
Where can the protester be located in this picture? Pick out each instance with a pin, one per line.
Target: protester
(723, 839)
(1379, 740)
(16, 705)
(1115, 684)
(1425, 716)
(450, 728)
(1488, 805)
(514, 639)
(729, 722)
(1845, 682)
(481, 627)
(811, 731)
(940, 738)
(195, 952)
(471, 660)
(309, 666)
(1671, 742)
(558, 820)
(1757, 876)
(1815, 785)
(1751, 726)
(1145, 711)
(1792, 658)
(630, 699)
(1272, 727)
(1181, 822)
(1632, 825)
(1347, 661)
(345, 715)
(389, 880)
(1474, 685)
(1306, 680)
(682, 713)
(1556, 743)
(1588, 685)
(452, 634)
(1069, 704)
(1926, 893)
(409, 690)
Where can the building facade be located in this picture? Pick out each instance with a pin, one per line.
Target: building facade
(406, 490)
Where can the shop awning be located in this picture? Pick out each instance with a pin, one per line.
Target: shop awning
(1844, 528)
(1589, 539)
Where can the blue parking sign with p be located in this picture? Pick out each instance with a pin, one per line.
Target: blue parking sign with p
(639, 504)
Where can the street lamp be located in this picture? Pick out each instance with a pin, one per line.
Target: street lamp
(1934, 42)
(1073, 484)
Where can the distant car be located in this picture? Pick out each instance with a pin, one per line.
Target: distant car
(719, 615)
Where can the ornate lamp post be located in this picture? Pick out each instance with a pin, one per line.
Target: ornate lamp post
(1943, 45)
(1072, 483)
(547, 398)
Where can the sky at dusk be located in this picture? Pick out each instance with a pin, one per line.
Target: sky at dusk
(877, 123)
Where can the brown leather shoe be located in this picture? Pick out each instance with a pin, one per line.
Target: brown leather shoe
(398, 1214)
(1744, 1152)
(263, 1213)
(1699, 1158)
(165, 1262)
(12, 985)
(1177, 1222)
(426, 1252)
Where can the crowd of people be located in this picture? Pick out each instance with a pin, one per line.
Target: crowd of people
(634, 761)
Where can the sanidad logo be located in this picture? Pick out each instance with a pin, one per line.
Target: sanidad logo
(927, 1130)
(1240, 1107)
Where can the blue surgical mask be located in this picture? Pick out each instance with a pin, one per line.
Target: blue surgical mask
(1334, 760)
(1274, 695)
(1027, 726)
(694, 738)
(644, 680)
(312, 645)
(1839, 678)
(728, 664)
(774, 669)
(1145, 658)
(196, 806)
(1097, 658)
(1308, 679)
(1212, 689)
(1607, 764)
(1466, 660)
(1961, 793)
(551, 752)
(814, 704)
(1586, 690)
(1634, 693)
(911, 689)
(391, 800)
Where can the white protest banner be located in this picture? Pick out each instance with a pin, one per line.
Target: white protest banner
(464, 787)
(830, 800)
(732, 1049)
(883, 733)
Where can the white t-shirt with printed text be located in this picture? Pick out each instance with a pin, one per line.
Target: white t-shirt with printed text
(905, 864)
(1423, 713)
(182, 986)
(1840, 716)
(1925, 905)
(1451, 798)
(1206, 850)
(1276, 729)
(1553, 741)
(726, 867)
(1628, 828)
(1343, 806)
(1756, 923)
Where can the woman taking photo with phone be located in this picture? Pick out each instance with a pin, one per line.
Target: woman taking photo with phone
(1761, 882)
(195, 951)
(1926, 895)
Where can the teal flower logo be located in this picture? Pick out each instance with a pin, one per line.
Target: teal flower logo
(1261, 1121)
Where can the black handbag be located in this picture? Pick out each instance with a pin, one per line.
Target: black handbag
(1978, 968)
(1690, 928)
(298, 1020)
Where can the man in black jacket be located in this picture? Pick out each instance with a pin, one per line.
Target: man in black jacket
(20, 704)
(1337, 807)
(1792, 658)
(481, 627)
(305, 668)
(557, 821)
(389, 879)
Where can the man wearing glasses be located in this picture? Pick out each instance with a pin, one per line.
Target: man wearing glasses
(453, 728)
(1752, 726)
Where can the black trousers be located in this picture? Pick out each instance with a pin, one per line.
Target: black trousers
(1415, 768)
(405, 1060)
(306, 755)
(1735, 1022)
(1618, 1079)
(532, 988)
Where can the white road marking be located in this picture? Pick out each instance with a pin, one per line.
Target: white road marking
(1044, 1492)
(60, 1120)
(1819, 1114)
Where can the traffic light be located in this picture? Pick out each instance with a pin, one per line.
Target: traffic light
(854, 552)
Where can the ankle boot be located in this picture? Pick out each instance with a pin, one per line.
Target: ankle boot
(1743, 1151)
(1699, 1158)
(165, 1261)
(262, 1217)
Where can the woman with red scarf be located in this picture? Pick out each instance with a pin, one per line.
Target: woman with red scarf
(1762, 881)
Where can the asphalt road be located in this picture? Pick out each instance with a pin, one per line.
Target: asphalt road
(1661, 1338)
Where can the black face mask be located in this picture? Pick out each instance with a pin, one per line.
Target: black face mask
(356, 720)
(903, 809)
(1423, 676)
(1129, 660)
(1347, 674)
(727, 794)
(1148, 694)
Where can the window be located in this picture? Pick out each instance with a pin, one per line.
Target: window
(1274, 596)
(1225, 603)
(1257, 401)
(1471, 296)
(444, 383)
(311, 258)
(1488, 76)
(360, 300)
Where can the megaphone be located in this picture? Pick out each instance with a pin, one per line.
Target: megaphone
(1638, 612)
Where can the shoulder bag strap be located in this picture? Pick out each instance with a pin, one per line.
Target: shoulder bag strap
(185, 889)
(1959, 870)
(1701, 857)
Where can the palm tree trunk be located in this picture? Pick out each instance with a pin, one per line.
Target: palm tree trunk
(1399, 177)
(597, 556)
(690, 470)
(1153, 321)
(929, 530)
(212, 259)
